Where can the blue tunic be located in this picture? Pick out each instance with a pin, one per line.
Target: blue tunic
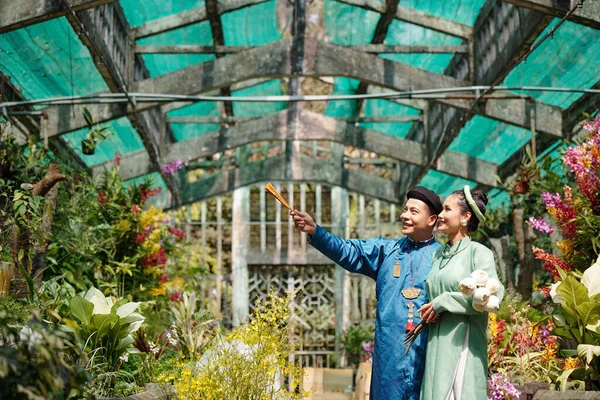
(395, 376)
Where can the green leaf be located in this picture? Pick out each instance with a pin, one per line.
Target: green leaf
(594, 327)
(81, 309)
(87, 116)
(559, 320)
(588, 351)
(588, 312)
(102, 323)
(573, 294)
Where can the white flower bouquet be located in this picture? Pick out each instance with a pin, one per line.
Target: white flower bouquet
(478, 286)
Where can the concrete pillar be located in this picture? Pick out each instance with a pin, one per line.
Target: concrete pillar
(240, 243)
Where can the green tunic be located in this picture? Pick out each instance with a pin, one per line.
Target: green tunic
(461, 332)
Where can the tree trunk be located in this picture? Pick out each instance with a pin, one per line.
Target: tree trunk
(39, 251)
(22, 284)
(524, 237)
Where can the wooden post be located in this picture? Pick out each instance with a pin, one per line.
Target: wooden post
(240, 243)
(263, 219)
(219, 250)
(303, 209)
(339, 213)
(203, 221)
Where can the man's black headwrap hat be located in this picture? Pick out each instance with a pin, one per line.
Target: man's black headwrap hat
(426, 196)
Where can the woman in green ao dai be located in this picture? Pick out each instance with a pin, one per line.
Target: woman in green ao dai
(456, 360)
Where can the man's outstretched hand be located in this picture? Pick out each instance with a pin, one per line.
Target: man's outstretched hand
(303, 222)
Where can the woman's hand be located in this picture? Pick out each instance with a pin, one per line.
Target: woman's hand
(303, 222)
(428, 315)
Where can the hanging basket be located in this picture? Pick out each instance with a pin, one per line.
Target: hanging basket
(522, 187)
(88, 147)
(7, 270)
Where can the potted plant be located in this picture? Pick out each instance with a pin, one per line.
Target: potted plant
(95, 136)
(6, 252)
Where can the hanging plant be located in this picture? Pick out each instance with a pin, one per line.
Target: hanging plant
(96, 135)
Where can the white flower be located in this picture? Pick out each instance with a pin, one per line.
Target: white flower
(124, 357)
(478, 307)
(481, 295)
(493, 285)
(480, 276)
(153, 348)
(493, 304)
(468, 286)
(556, 298)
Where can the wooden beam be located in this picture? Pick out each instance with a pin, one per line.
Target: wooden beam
(20, 13)
(417, 17)
(105, 52)
(432, 22)
(310, 126)
(320, 59)
(502, 33)
(588, 14)
(369, 48)
(189, 17)
(389, 49)
(190, 49)
(234, 120)
(304, 169)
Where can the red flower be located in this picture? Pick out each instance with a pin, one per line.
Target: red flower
(135, 209)
(550, 262)
(146, 194)
(102, 198)
(118, 158)
(545, 291)
(176, 296)
(159, 258)
(164, 278)
(139, 239)
(177, 232)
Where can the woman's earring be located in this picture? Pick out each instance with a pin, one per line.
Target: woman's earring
(463, 222)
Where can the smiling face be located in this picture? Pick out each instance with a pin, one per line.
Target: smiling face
(417, 220)
(451, 215)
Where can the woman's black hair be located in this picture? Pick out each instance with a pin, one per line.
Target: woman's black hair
(480, 199)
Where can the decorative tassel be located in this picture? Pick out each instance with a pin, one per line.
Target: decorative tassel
(410, 325)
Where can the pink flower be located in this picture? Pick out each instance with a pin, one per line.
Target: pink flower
(177, 232)
(562, 212)
(541, 225)
(135, 209)
(172, 167)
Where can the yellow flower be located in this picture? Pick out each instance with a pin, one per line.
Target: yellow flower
(565, 246)
(124, 225)
(571, 363)
(177, 283)
(158, 291)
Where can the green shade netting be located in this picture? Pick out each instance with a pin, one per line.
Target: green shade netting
(385, 108)
(444, 184)
(489, 140)
(44, 59)
(344, 108)
(251, 26)
(139, 12)
(124, 140)
(569, 59)
(463, 11)
(246, 109)
(405, 34)
(188, 131)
